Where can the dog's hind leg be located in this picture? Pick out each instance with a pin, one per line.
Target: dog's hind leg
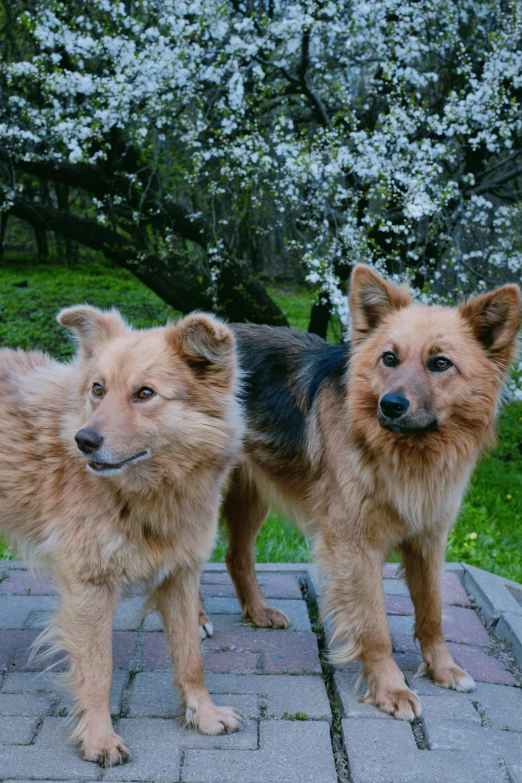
(177, 600)
(245, 511)
(83, 628)
(423, 559)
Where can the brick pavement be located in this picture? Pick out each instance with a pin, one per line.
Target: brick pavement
(275, 678)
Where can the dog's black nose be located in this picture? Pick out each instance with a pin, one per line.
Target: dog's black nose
(88, 440)
(394, 405)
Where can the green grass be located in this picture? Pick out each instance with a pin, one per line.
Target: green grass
(32, 295)
(489, 529)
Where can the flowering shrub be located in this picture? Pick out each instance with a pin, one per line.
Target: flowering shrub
(327, 131)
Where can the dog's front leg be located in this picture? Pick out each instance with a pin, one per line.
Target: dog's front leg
(177, 600)
(423, 558)
(84, 627)
(353, 598)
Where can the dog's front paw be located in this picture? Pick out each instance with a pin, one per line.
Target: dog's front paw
(209, 719)
(267, 617)
(448, 677)
(402, 703)
(107, 751)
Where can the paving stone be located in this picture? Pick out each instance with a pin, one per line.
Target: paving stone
(281, 653)
(450, 705)
(396, 587)
(480, 665)
(386, 752)
(397, 604)
(239, 663)
(156, 746)
(15, 609)
(401, 626)
(502, 705)
(296, 610)
(123, 647)
(273, 586)
(290, 752)
(50, 757)
(453, 591)
(390, 570)
(214, 578)
(153, 694)
(407, 662)
(13, 645)
(222, 589)
(155, 656)
(458, 624)
(453, 735)
(29, 682)
(16, 730)
(128, 612)
(37, 620)
(10, 565)
(404, 643)
(22, 583)
(483, 743)
(152, 622)
(24, 704)
(281, 693)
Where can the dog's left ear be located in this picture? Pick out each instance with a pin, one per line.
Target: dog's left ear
(495, 321)
(372, 299)
(91, 326)
(207, 345)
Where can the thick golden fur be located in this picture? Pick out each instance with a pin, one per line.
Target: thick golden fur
(153, 522)
(359, 489)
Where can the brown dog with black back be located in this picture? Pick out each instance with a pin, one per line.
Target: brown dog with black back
(371, 448)
(111, 470)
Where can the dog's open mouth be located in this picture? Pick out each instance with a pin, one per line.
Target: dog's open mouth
(115, 467)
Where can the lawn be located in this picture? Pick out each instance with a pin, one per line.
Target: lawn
(489, 531)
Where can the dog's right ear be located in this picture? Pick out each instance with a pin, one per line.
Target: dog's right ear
(207, 345)
(372, 299)
(92, 326)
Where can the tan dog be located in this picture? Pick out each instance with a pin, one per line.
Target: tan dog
(371, 449)
(111, 468)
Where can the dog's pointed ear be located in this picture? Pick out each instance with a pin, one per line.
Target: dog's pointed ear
(372, 299)
(207, 345)
(92, 326)
(495, 321)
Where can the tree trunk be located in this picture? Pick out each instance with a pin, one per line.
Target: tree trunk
(3, 225)
(319, 318)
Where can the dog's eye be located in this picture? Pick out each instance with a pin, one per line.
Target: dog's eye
(145, 393)
(439, 364)
(389, 359)
(97, 390)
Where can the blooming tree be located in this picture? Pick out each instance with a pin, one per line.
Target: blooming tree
(208, 137)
